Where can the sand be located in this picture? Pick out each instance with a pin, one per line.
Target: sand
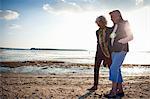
(67, 86)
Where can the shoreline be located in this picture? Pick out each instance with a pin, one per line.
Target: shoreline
(40, 63)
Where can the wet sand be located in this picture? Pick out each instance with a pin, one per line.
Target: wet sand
(13, 64)
(65, 86)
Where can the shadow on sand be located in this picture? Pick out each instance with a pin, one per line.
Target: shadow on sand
(90, 94)
(94, 95)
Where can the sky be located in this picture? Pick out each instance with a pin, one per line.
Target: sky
(68, 24)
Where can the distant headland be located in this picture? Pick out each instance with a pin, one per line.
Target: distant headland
(43, 49)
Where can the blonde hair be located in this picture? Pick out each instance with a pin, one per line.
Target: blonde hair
(102, 19)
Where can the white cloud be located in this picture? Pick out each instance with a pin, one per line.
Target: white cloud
(47, 8)
(9, 14)
(61, 7)
(139, 2)
(14, 26)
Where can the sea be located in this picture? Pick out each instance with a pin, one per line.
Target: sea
(71, 56)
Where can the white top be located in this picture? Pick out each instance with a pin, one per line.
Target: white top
(113, 34)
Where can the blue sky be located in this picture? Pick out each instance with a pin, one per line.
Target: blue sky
(67, 23)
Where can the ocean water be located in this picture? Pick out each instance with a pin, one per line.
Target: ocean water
(47, 55)
(126, 71)
(67, 56)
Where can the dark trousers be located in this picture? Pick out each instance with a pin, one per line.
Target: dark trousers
(98, 60)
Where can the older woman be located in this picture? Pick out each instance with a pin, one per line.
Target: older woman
(120, 37)
(103, 52)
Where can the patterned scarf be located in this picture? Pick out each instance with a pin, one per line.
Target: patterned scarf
(103, 43)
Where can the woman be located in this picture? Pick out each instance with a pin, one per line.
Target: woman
(103, 52)
(120, 37)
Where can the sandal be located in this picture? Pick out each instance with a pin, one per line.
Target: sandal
(120, 94)
(110, 95)
(93, 88)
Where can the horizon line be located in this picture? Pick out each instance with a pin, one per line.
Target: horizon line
(64, 49)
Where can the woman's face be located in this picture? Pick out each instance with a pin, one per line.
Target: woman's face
(100, 24)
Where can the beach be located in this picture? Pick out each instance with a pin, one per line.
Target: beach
(48, 48)
(65, 85)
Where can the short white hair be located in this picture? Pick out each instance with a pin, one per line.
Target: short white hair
(101, 18)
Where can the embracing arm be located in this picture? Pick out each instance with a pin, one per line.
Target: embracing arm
(129, 36)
